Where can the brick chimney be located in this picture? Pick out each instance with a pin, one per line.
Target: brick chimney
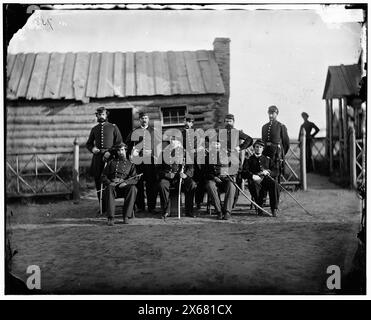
(222, 56)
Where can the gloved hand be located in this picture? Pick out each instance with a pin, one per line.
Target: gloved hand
(135, 152)
(122, 184)
(95, 150)
(217, 180)
(265, 172)
(106, 155)
(169, 175)
(183, 175)
(256, 178)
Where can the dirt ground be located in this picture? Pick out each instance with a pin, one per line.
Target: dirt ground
(78, 253)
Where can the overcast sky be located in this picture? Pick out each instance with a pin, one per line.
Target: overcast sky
(277, 56)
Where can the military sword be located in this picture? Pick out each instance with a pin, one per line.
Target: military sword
(306, 211)
(243, 193)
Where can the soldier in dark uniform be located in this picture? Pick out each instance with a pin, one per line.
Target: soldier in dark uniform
(308, 127)
(276, 139)
(217, 181)
(237, 141)
(169, 175)
(102, 137)
(142, 147)
(241, 136)
(261, 173)
(119, 179)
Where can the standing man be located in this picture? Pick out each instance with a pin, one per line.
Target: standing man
(276, 139)
(308, 127)
(119, 179)
(102, 137)
(141, 143)
(261, 173)
(189, 146)
(217, 182)
(242, 142)
(237, 145)
(170, 174)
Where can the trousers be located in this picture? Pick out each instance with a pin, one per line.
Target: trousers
(129, 192)
(189, 188)
(213, 189)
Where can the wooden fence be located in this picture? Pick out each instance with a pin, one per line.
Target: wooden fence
(43, 173)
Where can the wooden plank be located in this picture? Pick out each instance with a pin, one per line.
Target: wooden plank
(193, 72)
(105, 82)
(27, 71)
(9, 64)
(141, 73)
(67, 78)
(216, 77)
(327, 152)
(16, 75)
(130, 83)
(206, 72)
(345, 136)
(173, 73)
(161, 73)
(54, 78)
(80, 75)
(118, 74)
(149, 75)
(67, 91)
(181, 72)
(93, 75)
(341, 145)
(38, 76)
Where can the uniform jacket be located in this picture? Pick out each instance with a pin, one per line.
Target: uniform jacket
(174, 168)
(255, 165)
(117, 168)
(275, 133)
(215, 170)
(103, 136)
(247, 140)
(141, 138)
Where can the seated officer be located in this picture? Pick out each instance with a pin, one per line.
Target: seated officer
(261, 173)
(119, 178)
(169, 175)
(217, 182)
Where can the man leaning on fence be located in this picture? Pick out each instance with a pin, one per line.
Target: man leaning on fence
(119, 179)
(308, 126)
(102, 137)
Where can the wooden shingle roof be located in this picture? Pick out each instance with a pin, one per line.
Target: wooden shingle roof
(84, 75)
(342, 81)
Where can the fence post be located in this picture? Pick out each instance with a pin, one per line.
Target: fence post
(75, 170)
(303, 165)
(352, 158)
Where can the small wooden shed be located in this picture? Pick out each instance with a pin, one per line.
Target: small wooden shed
(51, 98)
(344, 117)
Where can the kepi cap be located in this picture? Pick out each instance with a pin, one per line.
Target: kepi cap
(229, 116)
(272, 109)
(259, 142)
(100, 110)
(189, 117)
(120, 145)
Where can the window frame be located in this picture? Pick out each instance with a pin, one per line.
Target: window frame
(168, 108)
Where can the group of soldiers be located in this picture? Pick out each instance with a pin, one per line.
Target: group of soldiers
(117, 175)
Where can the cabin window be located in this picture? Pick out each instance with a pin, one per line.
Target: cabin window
(173, 116)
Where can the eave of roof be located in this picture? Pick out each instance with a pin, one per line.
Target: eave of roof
(84, 75)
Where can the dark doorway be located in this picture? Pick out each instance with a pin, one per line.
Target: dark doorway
(123, 119)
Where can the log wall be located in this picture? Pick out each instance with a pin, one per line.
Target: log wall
(54, 125)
